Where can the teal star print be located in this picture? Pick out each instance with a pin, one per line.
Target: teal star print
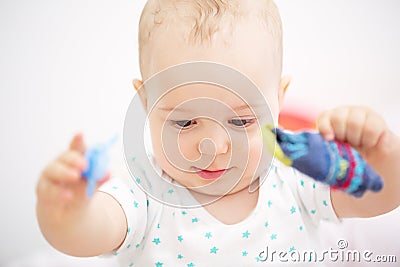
(302, 183)
(138, 180)
(190, 264)
(301, 228)
(269, 203)
(266, 224)
(274, 236)
(245, 234)
(213, 250)
(244, 253)
(130, 264)
(180, 238)
(258, 258)
(170, 191)
(313, 211)
(180, 256)
(184, 212)
(136, 204)
(208, 235)
(292, 249)
(156, 241)
(195, 220)
(159, 264)
(325, 203)
(292, 210)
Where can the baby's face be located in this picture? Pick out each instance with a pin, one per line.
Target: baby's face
(206, 149)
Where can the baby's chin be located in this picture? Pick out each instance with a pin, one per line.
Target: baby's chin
(218, 192)
(218, 188)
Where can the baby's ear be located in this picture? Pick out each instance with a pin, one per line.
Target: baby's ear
(283, 86)
(137, 84)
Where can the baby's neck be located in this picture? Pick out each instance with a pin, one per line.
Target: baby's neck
(243, 202)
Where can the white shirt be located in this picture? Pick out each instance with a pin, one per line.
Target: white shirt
(283, 227)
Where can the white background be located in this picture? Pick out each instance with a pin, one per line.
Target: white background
(67, 66)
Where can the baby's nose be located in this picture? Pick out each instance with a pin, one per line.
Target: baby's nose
(215, 142)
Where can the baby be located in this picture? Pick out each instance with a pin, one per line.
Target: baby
(241, 227)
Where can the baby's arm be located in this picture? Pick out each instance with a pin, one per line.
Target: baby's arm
(366, 131)
(69, 220)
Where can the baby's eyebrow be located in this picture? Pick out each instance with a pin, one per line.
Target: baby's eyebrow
(169, 109)
(252, 108)
(241, 107)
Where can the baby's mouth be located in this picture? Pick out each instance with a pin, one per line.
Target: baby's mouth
(210, 174)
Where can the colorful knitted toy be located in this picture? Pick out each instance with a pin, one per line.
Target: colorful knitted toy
(334, 163)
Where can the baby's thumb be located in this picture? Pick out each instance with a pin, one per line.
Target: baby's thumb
(77, 143)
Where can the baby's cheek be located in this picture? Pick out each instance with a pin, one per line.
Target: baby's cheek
(159, 156)
(255, 150)
(256, 160)
(188, 148)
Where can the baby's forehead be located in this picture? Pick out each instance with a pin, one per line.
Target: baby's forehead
(204, 99)
(197, 23)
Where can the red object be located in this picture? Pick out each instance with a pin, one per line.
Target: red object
(295, 120)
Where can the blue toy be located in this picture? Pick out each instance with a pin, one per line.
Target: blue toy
(98, 159)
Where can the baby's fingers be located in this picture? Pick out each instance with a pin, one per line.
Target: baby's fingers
(355, 125)
(74, 159)
(359, 126)
(58, 172)
(343, 123)
(48, 190)
(77, 143)
(373, 130)
(325, 126)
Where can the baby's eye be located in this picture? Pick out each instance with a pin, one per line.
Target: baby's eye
(241, 122)
(184, 124)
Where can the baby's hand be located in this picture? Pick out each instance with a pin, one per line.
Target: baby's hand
(360, 127)
(61, 187)
(366, 131)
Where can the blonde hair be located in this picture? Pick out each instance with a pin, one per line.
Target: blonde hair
(204, 18)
